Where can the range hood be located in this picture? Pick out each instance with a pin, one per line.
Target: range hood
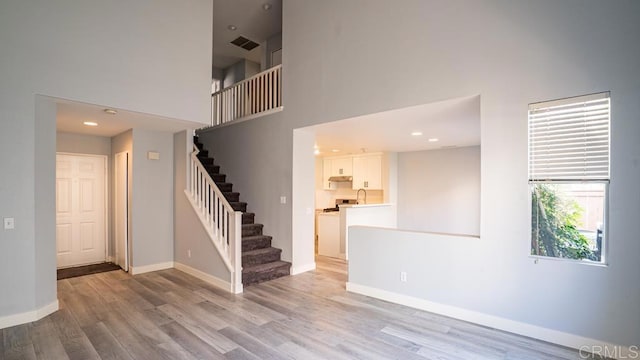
(341, 178)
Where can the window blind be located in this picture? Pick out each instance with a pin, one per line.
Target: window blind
(569, 139)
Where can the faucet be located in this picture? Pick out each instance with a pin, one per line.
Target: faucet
(358, 195)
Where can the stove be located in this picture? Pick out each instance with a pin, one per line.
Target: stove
(340, 202)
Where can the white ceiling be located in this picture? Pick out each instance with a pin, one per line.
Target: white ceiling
(71, 115)
(453, 122)
(252, 22)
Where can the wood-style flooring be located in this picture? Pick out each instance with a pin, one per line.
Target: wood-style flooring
(171, 315)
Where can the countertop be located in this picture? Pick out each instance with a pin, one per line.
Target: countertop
(365, 205)
(330, 213)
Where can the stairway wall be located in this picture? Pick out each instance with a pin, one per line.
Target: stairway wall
(189, 234)
(259, 166)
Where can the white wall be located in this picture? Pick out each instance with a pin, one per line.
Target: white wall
(512, 53)
(439, 190)
(155, 59)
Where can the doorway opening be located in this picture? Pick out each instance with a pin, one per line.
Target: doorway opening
(81, 209)
(121, 209)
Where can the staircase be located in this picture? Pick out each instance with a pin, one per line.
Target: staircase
(260, 261)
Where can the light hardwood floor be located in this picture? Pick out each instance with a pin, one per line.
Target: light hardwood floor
(171, 315)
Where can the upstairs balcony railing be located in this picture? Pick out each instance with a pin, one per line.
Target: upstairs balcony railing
(258, 95)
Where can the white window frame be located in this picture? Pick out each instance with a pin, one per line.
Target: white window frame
(561, 169)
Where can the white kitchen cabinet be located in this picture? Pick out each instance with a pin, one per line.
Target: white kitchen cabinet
(367, 172)
(342, 166)
(329, 234)
(336, 166)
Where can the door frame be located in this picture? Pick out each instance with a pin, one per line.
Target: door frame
(106, 196)
(127, 211)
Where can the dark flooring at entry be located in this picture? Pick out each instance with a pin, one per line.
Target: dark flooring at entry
(171, 315)
(86, 270)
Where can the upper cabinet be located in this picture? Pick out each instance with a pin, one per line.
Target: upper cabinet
(336, 166)
(365, 169)
(342, 166)
(367, 172)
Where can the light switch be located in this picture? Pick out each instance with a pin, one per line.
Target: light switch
(9, 223)
(283, 199)
(153, 155)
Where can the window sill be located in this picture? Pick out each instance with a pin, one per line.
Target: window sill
(537, 258)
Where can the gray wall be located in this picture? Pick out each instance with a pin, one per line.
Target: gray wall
(57, 48)
(152, 203)
(272, 44)
(256, 156)
(189, 233)
(44, 207)
(512, 53)
(439, 190)
(217, 73)
(239, 71)
(251, 68)
(83, 144)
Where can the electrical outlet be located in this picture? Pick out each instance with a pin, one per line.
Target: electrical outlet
(9, 223)
(403, 276)
(189, 253)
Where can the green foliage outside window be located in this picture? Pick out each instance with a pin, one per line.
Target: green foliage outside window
(554, 228)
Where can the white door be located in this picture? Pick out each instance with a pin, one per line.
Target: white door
(121, 206)
(80, 209)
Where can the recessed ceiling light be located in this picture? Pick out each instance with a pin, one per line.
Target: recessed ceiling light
(335, 150)
(266, 7)
(433, 140)
(416, 133)
(110, 111)
(232, 27)
(316, 152)
(90, 123)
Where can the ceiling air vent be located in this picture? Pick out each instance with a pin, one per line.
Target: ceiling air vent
(245, 43)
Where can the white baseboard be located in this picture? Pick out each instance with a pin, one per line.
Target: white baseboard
(209, 279)
(303, 268)
(135, 270)
(29, 316)
(583, 344)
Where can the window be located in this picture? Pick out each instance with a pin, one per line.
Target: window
(569, 176)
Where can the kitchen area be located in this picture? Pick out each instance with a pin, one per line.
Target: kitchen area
(354, 189)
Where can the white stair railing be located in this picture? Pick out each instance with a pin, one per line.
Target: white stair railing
(222, 223)
(255, 96)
